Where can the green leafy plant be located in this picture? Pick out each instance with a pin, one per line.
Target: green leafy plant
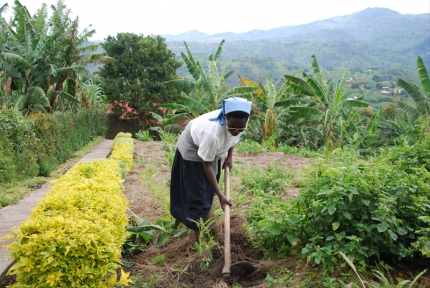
(160, 259)
(143, 136)
(361, 209)
(274, 179)
(250, 146)
(206, 243)
(170, 156)
(143, 234)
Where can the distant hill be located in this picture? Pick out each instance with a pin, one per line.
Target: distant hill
(372, 39)
(367, 25)
(379, 33)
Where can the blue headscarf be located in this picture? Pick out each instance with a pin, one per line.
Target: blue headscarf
(231, 105)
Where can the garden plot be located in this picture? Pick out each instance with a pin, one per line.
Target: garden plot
(179, 263)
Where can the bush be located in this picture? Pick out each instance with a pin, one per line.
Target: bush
(37, 144)
(17, 143)
(364, 210)
(73, 237)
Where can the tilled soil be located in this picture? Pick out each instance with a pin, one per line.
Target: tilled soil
(182, 265)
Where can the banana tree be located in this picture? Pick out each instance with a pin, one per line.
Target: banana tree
(205, 91)
(328, 106)
(420, 95)
(270, 103)
(48, 54)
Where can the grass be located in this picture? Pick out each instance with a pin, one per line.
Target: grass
(13, 192)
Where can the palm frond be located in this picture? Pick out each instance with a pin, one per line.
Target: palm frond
(19, 101)
(228, 74)
(182, 84)
(299, 86)
(308, 113)
(174, 118)
(219, 50)
(175, 106)
(190, 66)
(424, 76)
(317, 88)
(338, 92)
(37, 95)
(352, 104)
(4, 8)
(241, 91)
(411, 111)
(67, 96)
(417, 94)
(295, 100)
(315, 66)
(40, 18)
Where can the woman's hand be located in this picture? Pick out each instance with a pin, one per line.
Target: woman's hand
(224, 201)
(228, 162)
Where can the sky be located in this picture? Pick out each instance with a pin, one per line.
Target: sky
(159, 17)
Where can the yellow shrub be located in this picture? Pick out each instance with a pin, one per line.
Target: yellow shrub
(73, 237)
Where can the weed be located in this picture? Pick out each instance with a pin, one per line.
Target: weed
(170, 156)
(250, 146)
(381, 277)
(145, 282)
(160, 259)
(206, 243)
(143, 136)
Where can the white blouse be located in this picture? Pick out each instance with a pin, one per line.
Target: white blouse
(212, 138)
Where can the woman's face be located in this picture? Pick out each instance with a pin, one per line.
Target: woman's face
(236, 125)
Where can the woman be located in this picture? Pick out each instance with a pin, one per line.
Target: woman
(196, 167)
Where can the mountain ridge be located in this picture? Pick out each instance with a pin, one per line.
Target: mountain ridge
(365, 25)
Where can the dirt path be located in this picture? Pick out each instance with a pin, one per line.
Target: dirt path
(148, 182)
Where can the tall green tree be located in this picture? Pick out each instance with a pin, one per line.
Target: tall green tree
(136, 75)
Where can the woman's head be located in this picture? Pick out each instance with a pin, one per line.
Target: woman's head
(236, 111)
(236, 122)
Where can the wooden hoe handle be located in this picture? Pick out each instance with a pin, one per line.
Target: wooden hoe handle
(227, 252)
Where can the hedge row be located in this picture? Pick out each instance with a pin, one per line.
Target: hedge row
(73, 237)
(36, 144)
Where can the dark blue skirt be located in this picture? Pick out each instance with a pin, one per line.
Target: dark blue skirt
(191, 194)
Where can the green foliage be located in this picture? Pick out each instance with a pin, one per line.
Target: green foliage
(302, 151)
(202, 94)
(364, 210)
(145, 282)
(143, 136)
(41, 54)
(17, 143)
(38, 144)
(249, 145)
(272, 180)
(143, 234)
(160, 259)
(205, 243)
(381, 277)
(140, 66)
(74, 234)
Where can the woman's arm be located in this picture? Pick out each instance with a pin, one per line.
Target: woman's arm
(210, 174)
